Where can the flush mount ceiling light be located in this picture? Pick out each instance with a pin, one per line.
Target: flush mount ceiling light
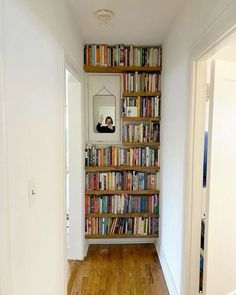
(104, 16)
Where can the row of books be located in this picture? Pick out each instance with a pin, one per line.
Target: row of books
(111, 226)
(141, 106)
(141, 82)
(122, 180)
(143, 132)
(120, 55)
(119, 204)
(116, 156)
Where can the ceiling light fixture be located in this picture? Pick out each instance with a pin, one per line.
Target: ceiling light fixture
(104, 16)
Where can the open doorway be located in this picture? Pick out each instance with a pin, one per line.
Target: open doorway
(74, 178)
(213, 178)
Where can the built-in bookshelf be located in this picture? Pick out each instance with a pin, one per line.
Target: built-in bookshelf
(122, 182)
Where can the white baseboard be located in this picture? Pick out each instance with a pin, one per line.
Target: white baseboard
(166, 270)
(122, 241)
(86, 246)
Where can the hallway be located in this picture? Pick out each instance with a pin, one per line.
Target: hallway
(120, 270)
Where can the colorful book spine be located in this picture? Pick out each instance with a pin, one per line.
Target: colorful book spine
(122, 180)
(114, 156)
(120, 55)
(141, 106)
(141, 82)
(115, 225)
(138, 133)
(123, 203)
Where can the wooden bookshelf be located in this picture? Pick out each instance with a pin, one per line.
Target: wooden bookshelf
(142, 144)
(141, 119)
(150, 102)
(118, 192)
(157, 93)
(121, 215)
(121, 168)
(121, 69)
(118, 236)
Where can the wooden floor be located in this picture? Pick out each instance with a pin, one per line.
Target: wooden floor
(120, 270)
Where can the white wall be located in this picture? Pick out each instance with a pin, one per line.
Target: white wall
(36, 36)
(194, 23)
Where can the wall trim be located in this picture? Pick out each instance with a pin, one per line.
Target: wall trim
(86, 246)
(166, 271)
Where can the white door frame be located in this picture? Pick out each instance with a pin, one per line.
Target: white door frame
(70, 65)
(5, 245)
(223, 27)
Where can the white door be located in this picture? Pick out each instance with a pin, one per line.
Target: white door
(220, 247)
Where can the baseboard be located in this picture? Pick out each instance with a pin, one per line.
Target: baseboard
(166, 270)
(121, 241)
(86, 246)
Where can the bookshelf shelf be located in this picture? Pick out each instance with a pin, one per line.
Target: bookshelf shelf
(156, 93)
(121, 215)
(141, 118)
(120, 69)
(115, 192)
(142, 144)
(118, 236)
(122, 168)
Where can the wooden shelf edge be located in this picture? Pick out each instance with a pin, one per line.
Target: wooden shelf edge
(122, 168)
(121, 215)
(156, 93)
(118, 192)
(139, 144)
(141, 118)
(117, 236)
(119, 69)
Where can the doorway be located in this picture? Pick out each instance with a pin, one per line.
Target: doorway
(74, 178)
(213, 246)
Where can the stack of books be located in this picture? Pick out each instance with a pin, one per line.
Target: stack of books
(130, 225)
(122, 180)
(141, 82)
(141, 106)
(120, 55)
(116, 156)
(134, 133)
(123, 203)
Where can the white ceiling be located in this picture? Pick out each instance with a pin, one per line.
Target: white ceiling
(139, 22)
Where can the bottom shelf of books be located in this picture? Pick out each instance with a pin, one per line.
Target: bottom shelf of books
(114, 227)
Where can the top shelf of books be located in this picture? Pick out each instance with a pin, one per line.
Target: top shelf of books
(120, 58)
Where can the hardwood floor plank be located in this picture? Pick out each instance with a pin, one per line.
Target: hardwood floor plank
(131, 269)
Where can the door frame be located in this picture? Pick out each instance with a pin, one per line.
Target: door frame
(211, 40)
(5, 246)
(70, 65)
